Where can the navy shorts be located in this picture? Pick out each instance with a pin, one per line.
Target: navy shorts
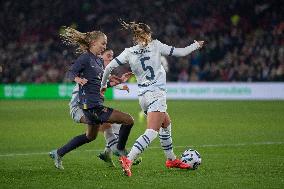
(98, 114)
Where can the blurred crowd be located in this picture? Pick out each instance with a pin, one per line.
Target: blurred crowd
(244, 39)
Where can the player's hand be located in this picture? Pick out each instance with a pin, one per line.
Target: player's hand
(201, 43)
(80, 81)
(103, 90)
(126, 76)
(114, 80)
(125, 87)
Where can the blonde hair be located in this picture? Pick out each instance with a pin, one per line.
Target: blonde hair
(141, 32)
(82, 41)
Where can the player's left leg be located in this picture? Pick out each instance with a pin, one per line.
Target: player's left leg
(166, 141)
(111, 144)
(110, 137)
(166, 138)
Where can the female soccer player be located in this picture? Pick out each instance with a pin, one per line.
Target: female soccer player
(145, 62)
(111, 131)
(87, 71)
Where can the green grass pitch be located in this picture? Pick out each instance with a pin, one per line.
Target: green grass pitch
(241, 144)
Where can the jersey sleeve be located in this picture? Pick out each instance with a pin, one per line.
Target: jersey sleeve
(164, 49)
(118, 61)
(122, 58)
(173, 51)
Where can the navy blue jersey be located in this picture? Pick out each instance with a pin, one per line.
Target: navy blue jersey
(91, 67)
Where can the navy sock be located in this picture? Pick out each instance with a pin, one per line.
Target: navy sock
(72, 144)
(124, 132)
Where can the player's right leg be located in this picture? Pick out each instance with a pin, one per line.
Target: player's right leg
(91, 134)
(57, 159)
(110, 137)
(154, 122)
(57, 155)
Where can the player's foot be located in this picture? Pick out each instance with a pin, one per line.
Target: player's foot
(126, 165)
(137, 161)
(124, 152)
(119, 153)
(56, 158)
(106, 158)
(176, 164)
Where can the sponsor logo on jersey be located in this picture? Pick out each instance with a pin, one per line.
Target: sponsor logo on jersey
(141, 51)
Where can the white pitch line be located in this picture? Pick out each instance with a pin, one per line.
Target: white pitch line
(156, 147)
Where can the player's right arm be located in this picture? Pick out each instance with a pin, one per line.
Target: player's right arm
(120, 60)
(75, 69)
(173, 51)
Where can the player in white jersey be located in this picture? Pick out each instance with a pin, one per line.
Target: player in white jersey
(145, 62)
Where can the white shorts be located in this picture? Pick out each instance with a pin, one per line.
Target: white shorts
(153, 101)
(76, 113)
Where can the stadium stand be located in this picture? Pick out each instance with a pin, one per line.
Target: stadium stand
(244, 39)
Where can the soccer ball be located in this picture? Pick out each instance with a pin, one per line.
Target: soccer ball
(192, 158)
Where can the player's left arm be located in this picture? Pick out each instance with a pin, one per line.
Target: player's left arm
(173, 51)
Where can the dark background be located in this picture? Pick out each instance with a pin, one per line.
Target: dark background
(244, 38)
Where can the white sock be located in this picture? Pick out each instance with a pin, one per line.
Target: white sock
(165, 135)
(107, 150)
(115, 129)
(142, 143)
(111, 141)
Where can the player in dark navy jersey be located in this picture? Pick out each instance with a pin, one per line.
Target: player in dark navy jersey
(87, 71)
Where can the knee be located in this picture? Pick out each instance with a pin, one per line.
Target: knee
(104, 127)
(166, 122)
(91, 135)
(129, 120)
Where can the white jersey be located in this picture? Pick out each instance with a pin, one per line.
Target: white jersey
(145, 63)
(164, 63)
(74, 102)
